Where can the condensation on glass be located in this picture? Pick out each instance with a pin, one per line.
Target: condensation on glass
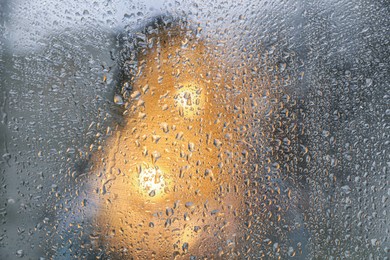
(194, 129)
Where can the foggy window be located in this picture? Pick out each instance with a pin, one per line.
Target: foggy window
(194, 129)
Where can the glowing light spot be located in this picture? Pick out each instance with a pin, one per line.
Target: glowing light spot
(151, 180)
(189, 99)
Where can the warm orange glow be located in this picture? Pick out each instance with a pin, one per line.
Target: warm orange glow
(175, 167)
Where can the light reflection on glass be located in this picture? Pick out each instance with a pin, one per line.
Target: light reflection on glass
(151, 180)
(176, 165)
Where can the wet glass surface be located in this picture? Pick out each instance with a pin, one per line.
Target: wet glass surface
(194, 129)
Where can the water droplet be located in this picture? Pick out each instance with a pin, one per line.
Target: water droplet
(118, 100)
(20, 253)
(189, 204)
(217, 143)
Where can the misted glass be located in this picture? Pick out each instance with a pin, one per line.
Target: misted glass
(158, 129)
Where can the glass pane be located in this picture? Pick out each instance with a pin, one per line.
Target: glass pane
(194, 129)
